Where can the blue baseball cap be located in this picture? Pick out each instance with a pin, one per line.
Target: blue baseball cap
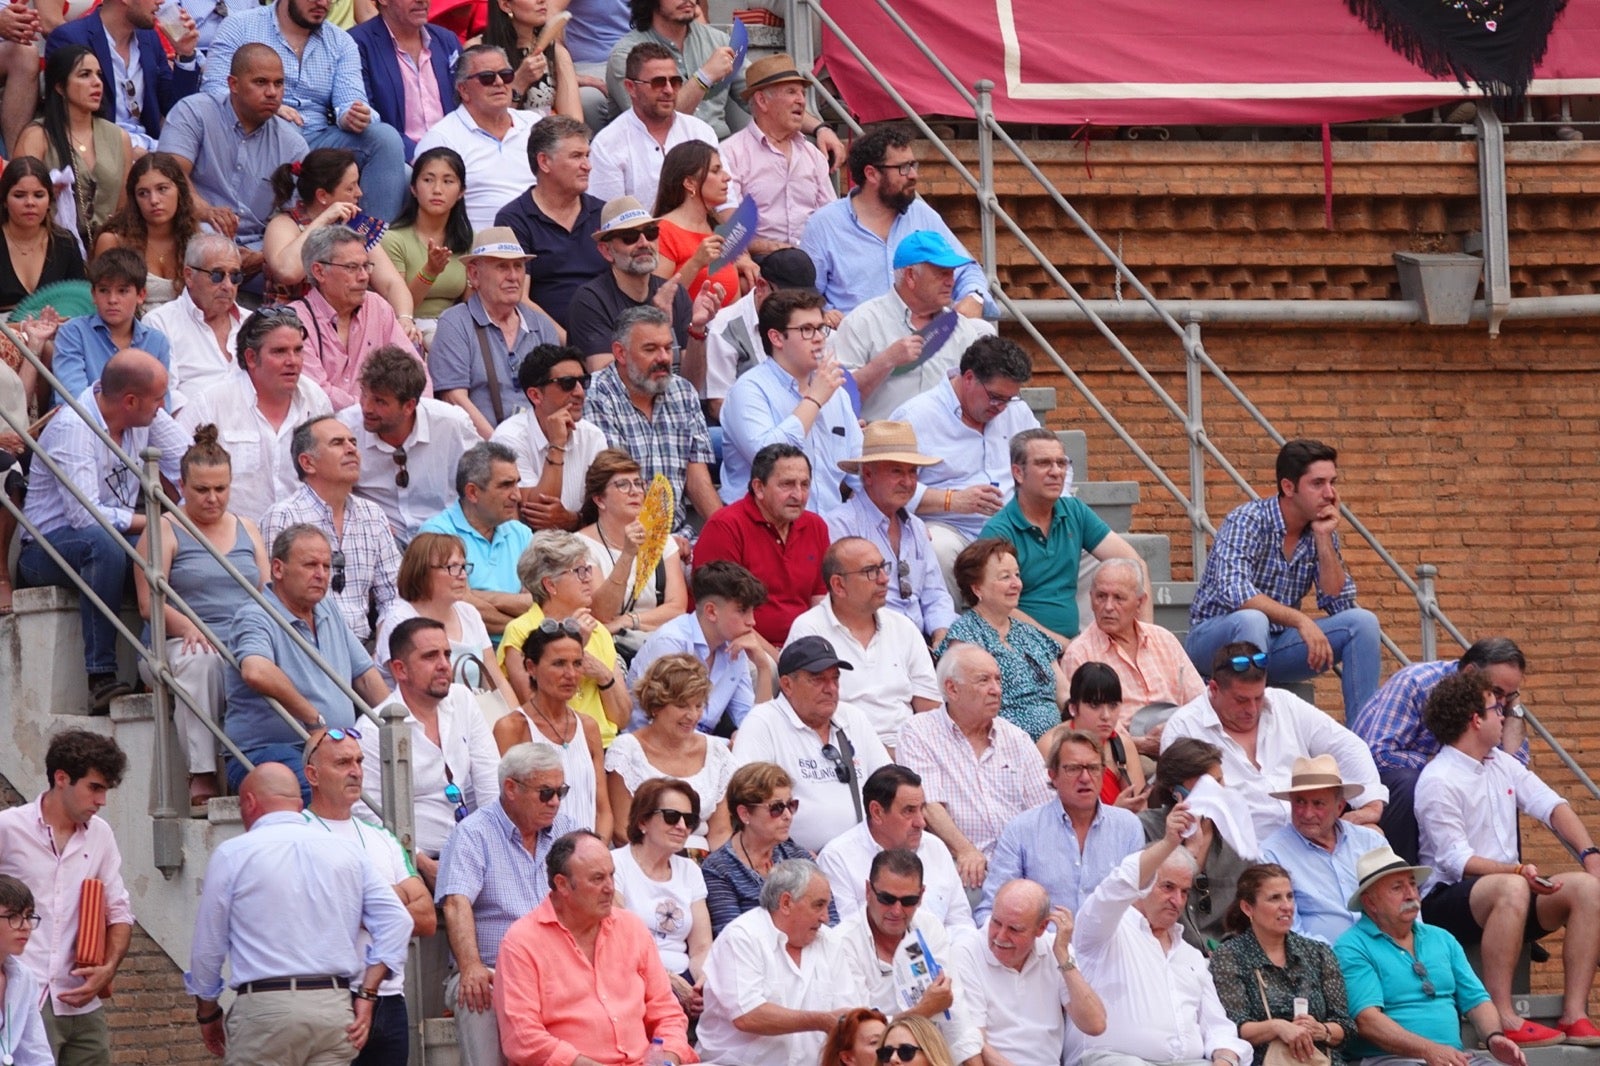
(927, 246)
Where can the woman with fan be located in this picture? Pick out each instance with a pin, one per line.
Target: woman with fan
(693, 186)
(614, 492)
(545, 80)
(39, 253)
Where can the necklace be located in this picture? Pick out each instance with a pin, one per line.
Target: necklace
(748, 861)
(629, 604)
(38, 247)
(540, 712)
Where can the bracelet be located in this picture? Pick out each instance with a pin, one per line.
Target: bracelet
(700, 76)
(557, 447)
(552, 462)
(949, 494)
(365, 993)
(405, 318)
(215, 1016)
(426, 280)
(608, 685)
(699, 335)
(1491, 1036)
(635, 616)
(813, 399)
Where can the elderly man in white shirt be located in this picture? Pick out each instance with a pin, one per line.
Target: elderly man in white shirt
(202, 323)
(893, 676)
(1021, 982)
(777, 978)
(257, 407)
(553, 443)
(895, 820)
(1261, 732)
(1164, 1009)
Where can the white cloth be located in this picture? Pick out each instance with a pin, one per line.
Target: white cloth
(893, 667)
(1160, 1003)
(898, 985)
(848, 859)
(748, 967)
(1229, 812)
(1466, 807)
(1021, 1013)
(1289, 728)
(604, 560)
(578, 766)
(521, 433)
(474, 637)
(498, 167)
(383, 851)
(665, 907)
(263, 473)
(773, 732)
(878, 323)
(723, 356)
(626, 158)
(196, 362)
(626, 758)
(466, 746)
(440, 434)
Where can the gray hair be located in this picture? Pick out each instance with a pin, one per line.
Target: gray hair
(791, 877)
(1115, 564)
(475, 464)
(303, 440)
(524, 760)
(551, 553)
(286, 539)
(633, 317)
(322, 240)
(1020, 442)
(547, 135)
(203, 245)
(1494, 651)
(1181, 859)
(464, 60)
(952, 665)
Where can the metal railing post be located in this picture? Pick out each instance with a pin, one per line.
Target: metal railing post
(802, 47)
(394, 749)
(1427, 604)
(987, 200)
(1195, 428)
(167, 830)
(1496, 223)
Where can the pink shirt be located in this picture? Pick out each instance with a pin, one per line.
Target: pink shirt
(1160, 671)
(786, 188)
(28, 853)
(553, 1005)
(423, 106)
(337, 367)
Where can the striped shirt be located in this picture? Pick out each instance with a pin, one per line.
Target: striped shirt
(666, 442)
(371, 560)
(1247, 560)
(320, 83)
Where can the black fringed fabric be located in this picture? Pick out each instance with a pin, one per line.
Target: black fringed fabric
(1495, 43)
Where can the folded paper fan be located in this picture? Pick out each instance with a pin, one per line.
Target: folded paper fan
(656, 517)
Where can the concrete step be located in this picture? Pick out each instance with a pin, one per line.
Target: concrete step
(1156, 551)
(1040, 400)
(439, 1042)
(1113, 501)
(1171, 600)
(1076, 443)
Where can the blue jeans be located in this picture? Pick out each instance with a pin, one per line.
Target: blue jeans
(1353, 635)
(389, 1042)
(291, 755)
(98, 558)
(381, 155)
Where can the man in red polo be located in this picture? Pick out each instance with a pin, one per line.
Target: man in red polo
(770, 533)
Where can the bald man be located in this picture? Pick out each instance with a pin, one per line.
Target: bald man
(126, 405)
(286, 907)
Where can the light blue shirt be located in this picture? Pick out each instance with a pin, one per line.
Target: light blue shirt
(321, 83)
(494, 562)
(731, 689)
(929, 604)
(854, 264)
(1041, 846)
(84, 347)
(24, 1038)
(1323, 881)
(759, 411)
(283, 901)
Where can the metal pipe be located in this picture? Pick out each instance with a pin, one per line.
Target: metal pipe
(1496, 220)
(1350, 312)
(167, 840)
(1196, 427)
(394, 748)
(1566, 758)
(987, 201)
(1427, 601)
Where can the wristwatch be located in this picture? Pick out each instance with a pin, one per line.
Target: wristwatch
(1516, 710)
(1586, 852)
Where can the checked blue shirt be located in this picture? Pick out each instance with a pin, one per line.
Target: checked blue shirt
(1247, 560)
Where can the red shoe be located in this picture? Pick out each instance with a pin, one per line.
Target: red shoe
(1532, 1034)
(1581, 1032)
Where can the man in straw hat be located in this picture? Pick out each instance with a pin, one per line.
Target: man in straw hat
(1319, 848)
(1408, 982)
(1467, 802)
(887, 467)
(771, 162)
(481, 343)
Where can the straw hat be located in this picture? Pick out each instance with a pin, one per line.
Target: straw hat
(623, 213)
(768, 71)
(887, 442)
(1313, 773)
(496, 242)
(1377, 864)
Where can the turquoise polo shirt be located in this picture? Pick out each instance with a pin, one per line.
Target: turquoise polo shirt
(494, 562)
(1049, 564)
(1379, 973)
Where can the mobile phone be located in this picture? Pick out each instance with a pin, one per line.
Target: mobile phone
(1301, 1006)
(1544, 882)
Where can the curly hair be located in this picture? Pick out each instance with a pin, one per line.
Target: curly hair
(676, 680)
(1454, 703)
(77, 751)
(130, 226)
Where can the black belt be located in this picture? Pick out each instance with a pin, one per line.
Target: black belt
(320, 983)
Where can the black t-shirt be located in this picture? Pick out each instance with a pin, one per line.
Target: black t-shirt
(596, 306)
(563, 260)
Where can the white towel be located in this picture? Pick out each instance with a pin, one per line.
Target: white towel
(1228, 813)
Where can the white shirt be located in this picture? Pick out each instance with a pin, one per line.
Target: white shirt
(725, 359)
(498, 169)
(441, 432)
(847, 860)
(626, 158)
(1289, 728)
(263, 473)
(1021, 1013)
(665, 907)
(773, 732)
(898, 985)
(522, 433)
(748, 967)
(893, 667)
(1467, 807)
(466, 745)
(386, 856)
(196, 361)
(878, 323)
(1160, 1003)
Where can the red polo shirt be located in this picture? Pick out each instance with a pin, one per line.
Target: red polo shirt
(791, 568)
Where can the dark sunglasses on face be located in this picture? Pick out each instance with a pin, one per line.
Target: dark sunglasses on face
(889, 899)
(673, 817)
(1240, 663)
(660, 82)
(550, 792)
(906, 1053)
(336, 735)
(216, 276)
(487, 78)
(631, 236)
(568, 382)
(777, 807)
(452, 792)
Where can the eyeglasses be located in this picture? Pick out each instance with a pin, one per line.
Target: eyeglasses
(402, 476)
(335, 735)
(995, 399)
(217, 274)
(889, 899)
(627, 484)
(452, 792)
(456, 569)
(810, 331)
(872, 573)
(1422, 972)
(362, 267)
(777, 807)
(905, 170)
(546, 793)
(673, 817)
(487, 78)
(21, 921)
(1201, 887)
(660, 81)
(1240, 663)
(631, 236)
(1078, 769)
(906, 1052)
(841, 769)
(569, 382)
(1506, 699)
(336, 583)
(584, 571)
(551, 627)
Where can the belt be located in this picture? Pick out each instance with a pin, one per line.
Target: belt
(319, 983)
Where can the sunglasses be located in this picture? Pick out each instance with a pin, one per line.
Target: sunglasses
(777, 807)
(568, 382)
(487, 78)
(550, 627)
(673, 817)
(217, 275)
(906, 1052)
(547, 793)
(889, 899)
(1427, 984)
(402, 476)
(1201, 888)
(277, 313)
(1240, 663)
(841, 769)
(452, 792)
(630, 236)
(903, 572)
(336, 583)
(337, 735)
(660, 82)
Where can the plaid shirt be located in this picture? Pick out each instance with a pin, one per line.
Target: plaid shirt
(665, 442)
(371, 560)
(1247, 560)
(321, 84)
(1391, 721)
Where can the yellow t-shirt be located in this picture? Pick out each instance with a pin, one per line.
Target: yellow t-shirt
(601, 646)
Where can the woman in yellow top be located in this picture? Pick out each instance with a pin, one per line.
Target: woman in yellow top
(556, 571)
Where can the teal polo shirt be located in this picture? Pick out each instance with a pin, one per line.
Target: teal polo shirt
(1379, 973)
(1049, 564)
(494, 563)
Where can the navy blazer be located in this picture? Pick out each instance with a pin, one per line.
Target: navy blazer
(165, 83)
(381, 69)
